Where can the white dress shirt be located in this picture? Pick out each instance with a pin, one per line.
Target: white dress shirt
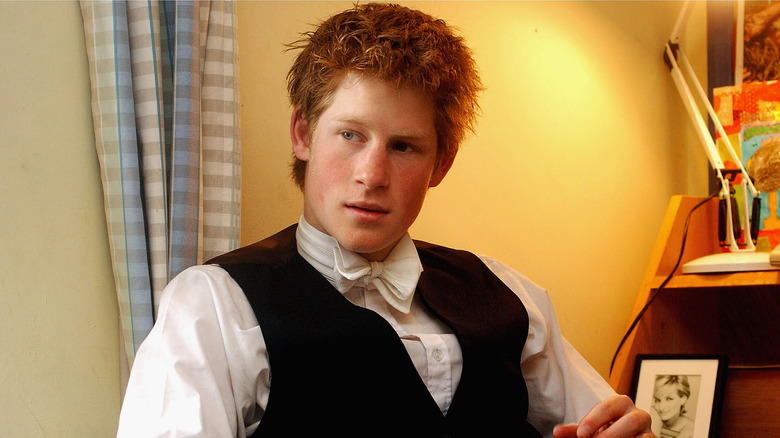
(204, 371)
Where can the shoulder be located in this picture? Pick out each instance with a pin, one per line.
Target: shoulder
(438, 254)
(204, 292)
(524, 287)
(509, 274)
(273, 250)
(457, 261)
(528, 291)
(687, 426)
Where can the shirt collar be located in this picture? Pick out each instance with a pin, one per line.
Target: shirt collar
(317, 248)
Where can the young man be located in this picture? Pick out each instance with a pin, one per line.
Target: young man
(342, 324)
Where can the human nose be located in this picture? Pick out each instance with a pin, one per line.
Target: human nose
(373, 167)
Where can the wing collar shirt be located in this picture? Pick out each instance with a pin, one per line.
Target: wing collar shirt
(203, 370)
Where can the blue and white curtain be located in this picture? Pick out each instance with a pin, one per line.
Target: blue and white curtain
(165, 106)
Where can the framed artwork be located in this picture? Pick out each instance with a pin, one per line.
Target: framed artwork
(750, 116)
(682, 393)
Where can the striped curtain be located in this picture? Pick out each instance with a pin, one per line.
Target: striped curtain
(165, 107)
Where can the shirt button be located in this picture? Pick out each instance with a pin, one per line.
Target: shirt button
(437, 354)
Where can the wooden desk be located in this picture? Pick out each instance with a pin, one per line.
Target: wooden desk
(737, 314)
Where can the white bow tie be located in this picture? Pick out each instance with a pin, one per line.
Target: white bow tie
(395, 279)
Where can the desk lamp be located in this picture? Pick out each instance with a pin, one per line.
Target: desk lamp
(738, 258)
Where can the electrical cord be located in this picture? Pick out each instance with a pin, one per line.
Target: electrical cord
(666, 280)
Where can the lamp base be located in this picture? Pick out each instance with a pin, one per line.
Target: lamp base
(730, 262)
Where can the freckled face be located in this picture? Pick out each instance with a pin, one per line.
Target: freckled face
(370, 161)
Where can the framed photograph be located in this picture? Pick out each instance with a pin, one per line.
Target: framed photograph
(682, 393)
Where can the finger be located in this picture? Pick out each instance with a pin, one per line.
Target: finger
(565, 431)
(608, 413)
(635, 423)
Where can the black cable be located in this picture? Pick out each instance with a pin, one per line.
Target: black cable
(668, 277)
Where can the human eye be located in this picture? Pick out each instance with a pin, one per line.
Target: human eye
(402, 147)
(348, 135)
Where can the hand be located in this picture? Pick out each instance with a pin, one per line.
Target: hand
(615, 417)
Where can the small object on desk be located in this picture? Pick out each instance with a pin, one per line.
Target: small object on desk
(730, 262)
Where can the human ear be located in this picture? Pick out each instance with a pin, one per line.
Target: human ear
(442, 167)
(299, 135)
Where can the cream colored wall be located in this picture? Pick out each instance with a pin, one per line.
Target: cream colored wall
(582, 142)
(59, 372)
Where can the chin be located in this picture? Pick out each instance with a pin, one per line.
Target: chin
(368, 247)
(362, 248)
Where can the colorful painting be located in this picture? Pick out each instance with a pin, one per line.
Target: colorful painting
(750, 115)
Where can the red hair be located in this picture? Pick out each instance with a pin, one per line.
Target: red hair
(393, 43)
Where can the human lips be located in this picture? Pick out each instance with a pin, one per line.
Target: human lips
(665, 414)
(367, 209)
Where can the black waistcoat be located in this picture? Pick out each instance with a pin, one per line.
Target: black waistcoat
(339, 369)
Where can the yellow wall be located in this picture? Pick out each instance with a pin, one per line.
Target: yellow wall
(582, 142)
(59, 368)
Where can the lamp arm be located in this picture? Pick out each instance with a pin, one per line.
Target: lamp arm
(747, 229)
(690, 105)
(671, 52)
(701, 127)
(682, 19)
(716, 121)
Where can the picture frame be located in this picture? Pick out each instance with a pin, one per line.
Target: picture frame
(682, 393)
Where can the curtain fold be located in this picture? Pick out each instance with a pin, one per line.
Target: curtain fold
(164, 83)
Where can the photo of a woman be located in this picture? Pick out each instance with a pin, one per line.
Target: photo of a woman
(671, 394)
(682, 393)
